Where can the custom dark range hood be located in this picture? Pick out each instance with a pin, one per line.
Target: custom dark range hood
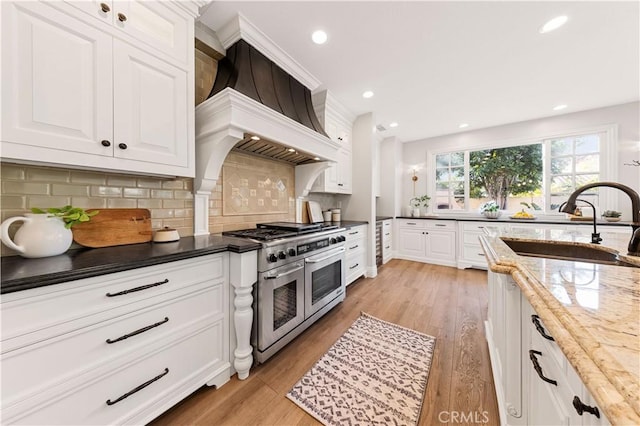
(250, 72)
(259, 92)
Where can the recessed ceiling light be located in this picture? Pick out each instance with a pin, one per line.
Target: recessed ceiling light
(463, 125)
(368, 94)
(255, 138)
(316, 158)
(291, 150)
(553, 24)
(394, 124)
(559, 107)
(319, 37)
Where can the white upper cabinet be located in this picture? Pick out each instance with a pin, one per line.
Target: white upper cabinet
(150, 22)
(79, 92)
(338, 124)
(57, 81)
(150, 112)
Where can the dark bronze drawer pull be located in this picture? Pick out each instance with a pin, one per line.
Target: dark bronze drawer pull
(439, 224)
(581, 407)
(354, 266)
(536, 366)
(105, 7)
(353, 247)
(536, 321)
(142, 287)
(142, 330)
(139, 388)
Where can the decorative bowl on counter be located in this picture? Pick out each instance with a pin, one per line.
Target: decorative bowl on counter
(611, 219)
(492, 215)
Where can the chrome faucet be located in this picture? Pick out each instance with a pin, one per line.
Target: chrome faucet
(634, 243)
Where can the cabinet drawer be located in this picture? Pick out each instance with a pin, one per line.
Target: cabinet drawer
(84, 401)
(34, 315)
(387, 225)
(475, 254)
(471, 238)
(45, 364)
(474, 226)
(412, 223)
(355, 233)
(441, 224)
(355, 267)
(354, 247)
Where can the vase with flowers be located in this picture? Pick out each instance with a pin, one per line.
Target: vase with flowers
(490, 210)
(420, 202)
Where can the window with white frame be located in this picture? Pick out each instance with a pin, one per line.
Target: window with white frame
(533, 175)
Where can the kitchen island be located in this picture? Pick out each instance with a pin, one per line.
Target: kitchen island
(592, 311)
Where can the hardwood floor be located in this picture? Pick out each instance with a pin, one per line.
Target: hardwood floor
(444, 302)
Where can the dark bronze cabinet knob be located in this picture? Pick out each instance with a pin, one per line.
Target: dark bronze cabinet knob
(105, 7)
(122, 145)
(105, 142)
(122, 17)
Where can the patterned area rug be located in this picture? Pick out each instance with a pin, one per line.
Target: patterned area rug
(374, 374)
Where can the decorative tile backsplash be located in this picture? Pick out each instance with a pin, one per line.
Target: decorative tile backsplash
(268, 187)
(251, 190)
(23, 187)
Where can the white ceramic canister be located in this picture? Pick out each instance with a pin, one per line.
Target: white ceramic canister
(335, 215)
(326, 215)
(41, 235)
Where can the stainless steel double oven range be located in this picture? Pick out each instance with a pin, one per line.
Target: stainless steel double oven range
(301, 276)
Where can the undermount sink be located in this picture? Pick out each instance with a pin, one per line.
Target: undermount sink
(565, 251)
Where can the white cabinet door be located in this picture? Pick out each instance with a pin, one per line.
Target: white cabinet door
(154, 24)
(150, 113)
(441, 245)
(56, 82)
(412, 243)
(344, 171)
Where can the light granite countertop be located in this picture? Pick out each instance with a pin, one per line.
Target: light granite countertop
(592, 310)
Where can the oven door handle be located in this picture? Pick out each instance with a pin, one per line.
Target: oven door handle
(330, 255)
(282, 274)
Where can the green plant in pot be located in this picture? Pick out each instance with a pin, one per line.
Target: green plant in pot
(421, 201)
(44, 232)
(490, 209)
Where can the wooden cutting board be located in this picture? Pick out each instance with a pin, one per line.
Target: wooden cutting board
(114, 227)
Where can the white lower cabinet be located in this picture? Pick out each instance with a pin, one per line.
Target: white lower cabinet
(535, 383)
(387, 240)
(356, 245)
(470, 254)
(429, 241)
(116, 349)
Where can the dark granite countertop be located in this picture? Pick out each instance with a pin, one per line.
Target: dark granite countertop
(381, 218)
(559, 221)
(19, 273)
(349, 223)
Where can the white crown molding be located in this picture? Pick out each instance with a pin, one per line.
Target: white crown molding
(241, 28)
(192, 7)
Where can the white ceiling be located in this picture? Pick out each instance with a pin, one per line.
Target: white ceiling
(434, 65)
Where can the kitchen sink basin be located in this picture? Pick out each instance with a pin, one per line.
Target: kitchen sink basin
(565, 251)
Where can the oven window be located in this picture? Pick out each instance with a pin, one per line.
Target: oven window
(284, 304)
(325, 280)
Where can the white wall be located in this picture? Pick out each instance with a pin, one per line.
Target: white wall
(626, 116)
(389, 202)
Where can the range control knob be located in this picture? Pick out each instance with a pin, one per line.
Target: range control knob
(291, 252)
(332, 240)
(272, 258)
(341, 238)
(282, 255)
